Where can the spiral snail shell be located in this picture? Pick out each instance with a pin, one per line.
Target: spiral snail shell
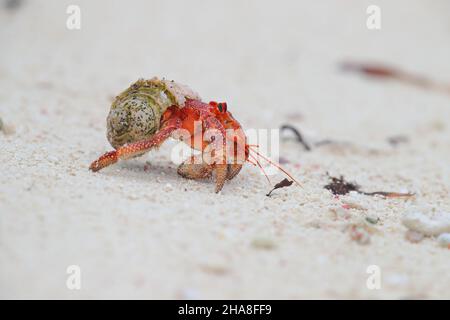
(135, 114)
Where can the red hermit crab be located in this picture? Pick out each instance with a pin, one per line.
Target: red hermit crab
(150, 111)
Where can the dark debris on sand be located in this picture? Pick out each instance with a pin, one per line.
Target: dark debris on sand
(339, 186)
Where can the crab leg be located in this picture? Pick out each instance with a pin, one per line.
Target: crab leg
(220, 166)
(197, 167)
(137, 148)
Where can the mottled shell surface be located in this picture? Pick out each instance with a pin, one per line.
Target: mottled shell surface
(136, 113)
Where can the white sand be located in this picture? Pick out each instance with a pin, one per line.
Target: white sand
(152, 234)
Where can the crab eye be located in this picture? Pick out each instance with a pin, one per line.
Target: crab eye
(222, 107)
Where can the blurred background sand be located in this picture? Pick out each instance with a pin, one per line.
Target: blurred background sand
(138, 230)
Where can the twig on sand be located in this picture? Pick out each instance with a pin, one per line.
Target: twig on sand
(386, 72)
(306, 145)
(298, 135)
(338, 186)
(388, 194)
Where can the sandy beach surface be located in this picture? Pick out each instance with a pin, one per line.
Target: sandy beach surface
(138, 230)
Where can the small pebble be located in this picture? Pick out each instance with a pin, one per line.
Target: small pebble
(429, 226)
(263, 243)
(444, 240)
(216, 269)
(7, 129)
(132, 196)
(53, 159)
(353, 205)
(372, 219)
(340, 213)
(414, 236)
(359, 234)
(168, 187)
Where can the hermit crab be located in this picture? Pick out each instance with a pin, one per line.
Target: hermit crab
(150, 111)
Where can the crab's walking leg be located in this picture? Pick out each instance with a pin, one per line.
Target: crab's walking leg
(137, 148)
(220, 161)
(191, 170)
(195, 168)
(221, 176)
(233, 170)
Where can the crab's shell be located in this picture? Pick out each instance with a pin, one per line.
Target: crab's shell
(136, 113)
